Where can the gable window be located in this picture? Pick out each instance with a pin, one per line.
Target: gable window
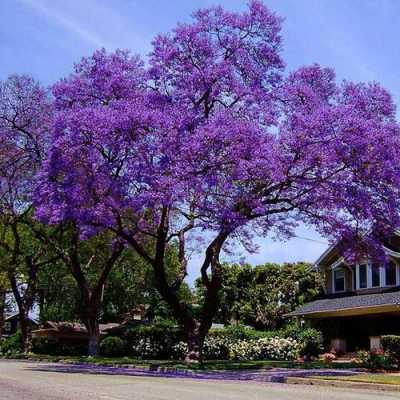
(390, 274)
(339, 280)
(375, 275)
(363, 276)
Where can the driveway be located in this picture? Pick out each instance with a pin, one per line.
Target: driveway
(21, 380)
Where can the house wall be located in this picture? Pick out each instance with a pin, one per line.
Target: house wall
(329, 279)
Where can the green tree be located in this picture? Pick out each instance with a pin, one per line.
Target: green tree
(260, 296)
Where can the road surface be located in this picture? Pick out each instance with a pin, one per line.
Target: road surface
(20, 380)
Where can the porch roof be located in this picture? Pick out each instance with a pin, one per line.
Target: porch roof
(350, 306)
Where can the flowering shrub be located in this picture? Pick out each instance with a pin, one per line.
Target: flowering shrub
(245, 350)
(375, 359)
(327, 358)
(164, 340)
(277, 349)
(216, 348)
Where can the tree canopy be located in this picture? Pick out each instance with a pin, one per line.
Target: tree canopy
(212, 133)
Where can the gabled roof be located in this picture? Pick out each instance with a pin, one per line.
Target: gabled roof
(350, 305)
(72, 327)
(14, 316)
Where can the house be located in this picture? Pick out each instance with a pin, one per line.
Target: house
(361, 302)
(11, 324)
(69, 332)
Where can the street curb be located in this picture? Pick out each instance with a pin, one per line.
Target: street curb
(386, 387)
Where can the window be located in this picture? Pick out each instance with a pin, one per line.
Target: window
(390, 274)
(375, 275)
(363, 276)
(339, 280)
(354, 274)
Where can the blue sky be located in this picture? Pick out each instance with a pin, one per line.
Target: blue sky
(358, 38)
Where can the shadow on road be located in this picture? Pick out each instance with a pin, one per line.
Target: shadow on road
(272, 375)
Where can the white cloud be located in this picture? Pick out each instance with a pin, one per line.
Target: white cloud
(66, 22)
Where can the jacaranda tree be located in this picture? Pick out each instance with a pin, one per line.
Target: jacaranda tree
(25, 120)
(212, 135)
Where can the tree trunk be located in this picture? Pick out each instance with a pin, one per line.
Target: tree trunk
(92, 326)
(2, 310)
(26, 332)
(93, 344)
(195, 342)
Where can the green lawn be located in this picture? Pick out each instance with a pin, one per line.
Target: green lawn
(206, 365)
(393, 379)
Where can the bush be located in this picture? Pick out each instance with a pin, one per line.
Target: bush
(45, 345)
(311, 343)
(216, 348)
(375, 360)
(113, 346)
(12, 344)
(277, 348)
(245, 350)
(240, 332)
(52, 347)
(391, 345)
(154, 341)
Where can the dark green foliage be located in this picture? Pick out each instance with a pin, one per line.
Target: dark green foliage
(375, 360)
(240, 332)
(52, 347)
(391, 345)
(260, 296)
(12, 344)
(155, 341)
(113, 346)
(311, 341)
(45, 345)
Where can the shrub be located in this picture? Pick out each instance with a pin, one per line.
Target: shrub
(375, 360)
(277, 348)
(391, 345)
(112, 346)
(240, 332)
(216, 348)
(53, 347)
(311, 343)
(46, 345)
(12, 344)
(327, 358)
(292, 330)
(245, 350)
(153, 341)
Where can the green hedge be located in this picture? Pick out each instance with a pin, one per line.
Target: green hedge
(391, 345)
(52, 347)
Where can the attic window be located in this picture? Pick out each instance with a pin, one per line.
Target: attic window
(375, 275)
(339, 280)
(390, 274)
(363, 276)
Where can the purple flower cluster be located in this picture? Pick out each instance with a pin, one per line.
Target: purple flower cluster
(212, 130)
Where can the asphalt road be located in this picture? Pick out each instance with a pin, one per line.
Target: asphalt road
(31, 381)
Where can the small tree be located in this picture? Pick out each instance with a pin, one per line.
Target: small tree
(25, 114)
(212, 136)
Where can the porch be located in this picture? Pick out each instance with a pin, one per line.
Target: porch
(354, 322)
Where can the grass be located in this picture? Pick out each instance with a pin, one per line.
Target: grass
(211, 365)
(389, 378)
